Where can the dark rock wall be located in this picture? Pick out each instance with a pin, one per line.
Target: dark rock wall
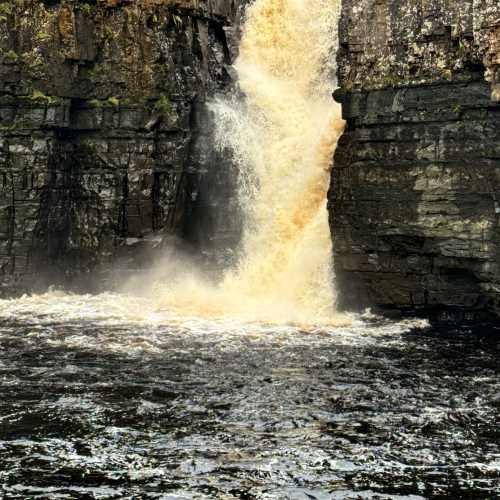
(415, 195)
(102, 125)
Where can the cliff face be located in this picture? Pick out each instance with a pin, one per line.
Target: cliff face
(103, 126)
(415, 195)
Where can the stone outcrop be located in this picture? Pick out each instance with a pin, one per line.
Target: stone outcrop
(103, 126)
(415, 195)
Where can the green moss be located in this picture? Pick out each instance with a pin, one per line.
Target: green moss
(38, 95)
(177, 21)
(87, 144)
(163, 105)
(109, 102)
(85, 9)
(96, 103)
(6, 10)
(11, 56)
(107, 32)
(42, 36)
(34, 62)
(113, 101)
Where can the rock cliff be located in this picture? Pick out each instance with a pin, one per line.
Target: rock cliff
(103, 127)
(415, 195)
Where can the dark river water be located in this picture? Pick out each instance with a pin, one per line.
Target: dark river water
(102, 399)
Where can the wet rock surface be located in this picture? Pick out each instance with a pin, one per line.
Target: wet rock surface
(414, 210)
(103, 408)
(103, 129)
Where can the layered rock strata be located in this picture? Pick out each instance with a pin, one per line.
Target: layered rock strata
(415, 195)
(103, 127)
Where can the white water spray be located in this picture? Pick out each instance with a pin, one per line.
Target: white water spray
(283, 139)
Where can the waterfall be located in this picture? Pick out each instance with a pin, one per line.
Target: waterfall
(283, 138)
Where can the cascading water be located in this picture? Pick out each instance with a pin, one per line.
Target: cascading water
(283, 138)
(282, 135)
(180, 396)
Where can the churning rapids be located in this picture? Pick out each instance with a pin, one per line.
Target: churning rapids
(103, 399)
(253, 388)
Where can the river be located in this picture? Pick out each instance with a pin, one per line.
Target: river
(103, 397)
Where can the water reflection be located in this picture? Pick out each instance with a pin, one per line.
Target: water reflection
(111, 406)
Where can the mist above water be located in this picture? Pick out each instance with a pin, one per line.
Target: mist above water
(282, 138)
(282, 134)
(196, 390)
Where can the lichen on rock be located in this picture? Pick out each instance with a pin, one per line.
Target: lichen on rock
(414, 201)
(80, 170)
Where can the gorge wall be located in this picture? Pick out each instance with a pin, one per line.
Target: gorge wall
(106, 144)
(104, 136)
(415, 195)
